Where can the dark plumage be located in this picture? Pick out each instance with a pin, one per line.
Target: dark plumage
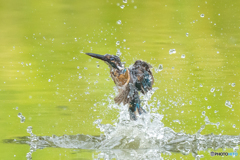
(129, 81)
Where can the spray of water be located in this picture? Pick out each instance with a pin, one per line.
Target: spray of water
(146, 138)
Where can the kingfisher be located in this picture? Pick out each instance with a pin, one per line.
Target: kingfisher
(129, 81)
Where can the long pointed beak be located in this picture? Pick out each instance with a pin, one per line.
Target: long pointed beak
(98, 56)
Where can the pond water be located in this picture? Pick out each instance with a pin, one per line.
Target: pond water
(57, 103)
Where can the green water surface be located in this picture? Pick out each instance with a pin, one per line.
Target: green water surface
(46, 76)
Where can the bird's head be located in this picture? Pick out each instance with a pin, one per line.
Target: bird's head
(112, 61)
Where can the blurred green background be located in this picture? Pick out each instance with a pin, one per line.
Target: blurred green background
(46, 76)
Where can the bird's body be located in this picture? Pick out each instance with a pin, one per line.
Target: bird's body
(129, 82)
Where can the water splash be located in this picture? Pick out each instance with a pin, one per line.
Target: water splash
(134, 140)
(146, 138)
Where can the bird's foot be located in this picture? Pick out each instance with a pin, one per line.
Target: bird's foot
(133, 117)
(134, 114)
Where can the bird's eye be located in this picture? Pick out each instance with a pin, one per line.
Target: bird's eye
(111, 59)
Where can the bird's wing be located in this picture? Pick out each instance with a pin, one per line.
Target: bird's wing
(123, 95)
(124, 90)
(141, 79)
(142, 76)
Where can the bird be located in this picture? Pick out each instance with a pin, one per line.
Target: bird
(129, 81)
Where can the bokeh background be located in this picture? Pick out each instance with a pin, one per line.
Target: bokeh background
(46, 76)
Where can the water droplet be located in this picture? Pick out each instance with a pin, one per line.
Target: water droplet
(22, 118)
(190, 102)
(19, 114)
(202, 15)
(29, 129)
(209, 107)
(183, 56)
(217, 52)
(49, 80)
(85, 68)
(79, 77)
(119, 22)
(135, 7)
(119, 53)
(124, 40)
(124, 1)
(218, 123)
(212, 89)
(122, 6)
(234, 126)
(205, 98)
(118, 43)
(172, 51)
(160, 67)
(233, 84)
(228, 104)
(177, 121)
(200, 85)
(98, 121)
(203, 113)
(98, 66)
(187, 34)
(154, 109)
(207, 121)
